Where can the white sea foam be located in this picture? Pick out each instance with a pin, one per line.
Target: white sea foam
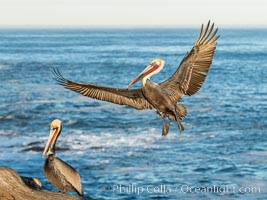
(4, 66)
(8, 132)
(145, 139)
(257, 153)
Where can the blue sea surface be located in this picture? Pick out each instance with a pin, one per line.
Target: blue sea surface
(119, 151)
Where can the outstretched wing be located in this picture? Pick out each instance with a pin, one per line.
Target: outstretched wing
(129, 97)
(194, 67)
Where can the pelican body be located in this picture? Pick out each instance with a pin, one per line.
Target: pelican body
(64, 177)
(163, 104)
(163, 97)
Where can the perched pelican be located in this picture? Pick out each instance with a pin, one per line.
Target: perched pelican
(62, 176)
(163, 97)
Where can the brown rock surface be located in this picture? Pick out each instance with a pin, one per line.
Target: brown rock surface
(14, 187)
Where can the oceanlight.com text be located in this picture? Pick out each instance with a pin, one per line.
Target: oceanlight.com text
(190, 189)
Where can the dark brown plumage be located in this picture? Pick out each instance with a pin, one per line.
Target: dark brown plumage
(163, 97)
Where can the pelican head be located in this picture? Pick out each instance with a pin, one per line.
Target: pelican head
(154, 67)
(55, 129)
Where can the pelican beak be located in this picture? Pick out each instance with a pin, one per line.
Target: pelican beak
(140, 76)
(51, 139)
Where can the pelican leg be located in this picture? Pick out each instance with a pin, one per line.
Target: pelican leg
(165, 127)
(179, 123)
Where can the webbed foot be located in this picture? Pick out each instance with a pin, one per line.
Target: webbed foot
(180, 126)
(165, 128)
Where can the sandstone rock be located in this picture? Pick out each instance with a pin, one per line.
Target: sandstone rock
(15, 187)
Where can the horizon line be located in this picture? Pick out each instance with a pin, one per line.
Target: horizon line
(122, 26)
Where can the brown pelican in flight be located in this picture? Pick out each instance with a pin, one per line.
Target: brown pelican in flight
(163, 97)
(61, 175)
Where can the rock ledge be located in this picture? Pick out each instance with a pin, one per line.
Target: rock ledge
(15, 187)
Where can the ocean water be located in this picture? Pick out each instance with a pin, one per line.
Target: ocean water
(119, 151)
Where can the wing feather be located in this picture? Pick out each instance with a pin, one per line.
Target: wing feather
(129, 97)
(193, 69)
(70, 174)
